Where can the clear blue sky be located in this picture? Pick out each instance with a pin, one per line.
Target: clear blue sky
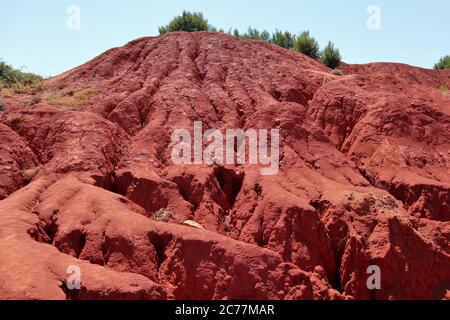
(34, 34)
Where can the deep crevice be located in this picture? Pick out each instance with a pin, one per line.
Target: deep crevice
(51, 228)
(160, 243)
(230, 182)
(320, 205)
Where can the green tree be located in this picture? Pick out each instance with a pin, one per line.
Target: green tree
(236, 33)
(255, 34)
(306, 44)
(265, 35)
(283, 39)
(330, 56)
(443, 63)
(187, 21)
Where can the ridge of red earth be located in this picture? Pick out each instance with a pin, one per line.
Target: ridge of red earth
(364, 178)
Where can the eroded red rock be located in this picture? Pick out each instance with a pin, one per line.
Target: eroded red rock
(364, 179)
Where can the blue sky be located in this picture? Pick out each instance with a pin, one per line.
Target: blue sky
(34, 34)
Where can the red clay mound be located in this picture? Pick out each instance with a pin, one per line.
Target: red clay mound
(364, 178)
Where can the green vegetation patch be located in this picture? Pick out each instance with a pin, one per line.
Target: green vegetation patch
(14, 78)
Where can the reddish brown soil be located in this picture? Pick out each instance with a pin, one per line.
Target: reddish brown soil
(364, 179)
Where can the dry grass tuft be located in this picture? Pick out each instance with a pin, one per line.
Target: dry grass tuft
(29, 174)
(73, 100)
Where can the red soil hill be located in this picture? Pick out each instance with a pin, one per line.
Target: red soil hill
(364, 178)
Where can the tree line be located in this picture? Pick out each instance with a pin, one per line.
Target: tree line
(303, 43)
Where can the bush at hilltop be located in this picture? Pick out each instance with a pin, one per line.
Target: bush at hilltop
(283, 39)
(330, 56)
(187, 21)
(306, 44)
(443, 63)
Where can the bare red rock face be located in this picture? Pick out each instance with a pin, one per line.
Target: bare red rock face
(364, 179)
